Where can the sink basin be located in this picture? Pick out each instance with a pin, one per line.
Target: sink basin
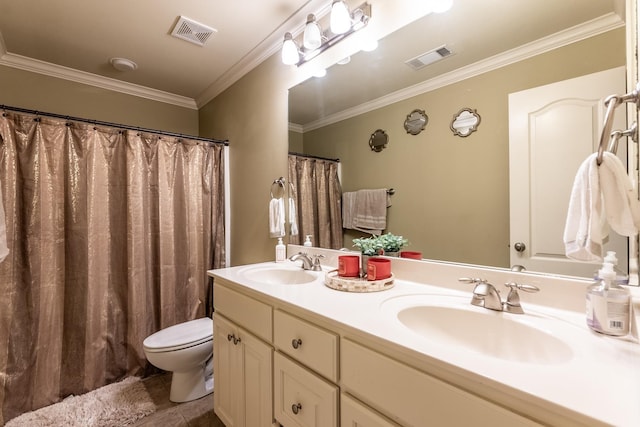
(279, 275)
(515, 337)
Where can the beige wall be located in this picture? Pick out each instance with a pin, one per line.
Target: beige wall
(252, 114)
(49, 94)
(452, 193)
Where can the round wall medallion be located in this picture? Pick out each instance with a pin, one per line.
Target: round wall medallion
(378, 140)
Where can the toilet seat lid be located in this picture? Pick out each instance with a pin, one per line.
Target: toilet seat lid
(182, 335)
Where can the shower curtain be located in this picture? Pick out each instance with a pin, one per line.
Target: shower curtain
(317, 195)
(110, 234)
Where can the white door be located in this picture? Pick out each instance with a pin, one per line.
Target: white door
(552, 130)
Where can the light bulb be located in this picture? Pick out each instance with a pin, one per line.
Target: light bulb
(370, 45)
(320, 73)
(312, 38)
(440, 6)
(340, 17)
(290, 53)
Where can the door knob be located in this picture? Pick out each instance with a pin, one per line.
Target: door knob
(519, 247)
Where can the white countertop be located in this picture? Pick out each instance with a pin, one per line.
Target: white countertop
(600, 378)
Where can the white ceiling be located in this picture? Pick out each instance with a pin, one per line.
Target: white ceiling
(75, 39)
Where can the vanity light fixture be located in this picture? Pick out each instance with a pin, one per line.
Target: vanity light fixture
(290, 52)
(314, 41)
(340, 17)
(312, 33)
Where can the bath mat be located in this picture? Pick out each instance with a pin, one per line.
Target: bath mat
(117, 404)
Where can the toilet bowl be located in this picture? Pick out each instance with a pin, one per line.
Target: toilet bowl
(185, 349)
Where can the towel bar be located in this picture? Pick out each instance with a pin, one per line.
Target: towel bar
(611, 102)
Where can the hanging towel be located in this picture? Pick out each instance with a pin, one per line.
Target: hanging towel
(276, 217)
(4, 250)
(584, 225)
(348, 209)
(293, 217)
(621, 204)
(370, 213)
(602, 196)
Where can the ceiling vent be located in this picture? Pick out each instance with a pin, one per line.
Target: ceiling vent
(427, 58)
(192, 31)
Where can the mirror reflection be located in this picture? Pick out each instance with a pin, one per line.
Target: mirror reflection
(451, 197)
(465, 122)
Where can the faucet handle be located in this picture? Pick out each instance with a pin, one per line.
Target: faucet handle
(472, 280)
(316, 262)
(512, 304)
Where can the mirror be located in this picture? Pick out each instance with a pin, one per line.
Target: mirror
(465, 122)
(378, 140)
(452, 197)
(416, 121)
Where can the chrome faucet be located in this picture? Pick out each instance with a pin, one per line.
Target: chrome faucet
(487, 296)
(307, 262)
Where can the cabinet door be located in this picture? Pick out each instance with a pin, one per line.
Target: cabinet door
(227, 394)
(302, 398)
(257, 363)
(355, 414)
(243, 376)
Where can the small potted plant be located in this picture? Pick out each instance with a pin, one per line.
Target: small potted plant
(392, 244)
(369, 246)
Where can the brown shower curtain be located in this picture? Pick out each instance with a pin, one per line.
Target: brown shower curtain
(110, 234)
(317, 195)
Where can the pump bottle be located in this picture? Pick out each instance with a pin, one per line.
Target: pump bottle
(281, 251)
(608, 304)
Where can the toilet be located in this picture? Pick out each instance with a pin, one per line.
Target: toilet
(185, 349)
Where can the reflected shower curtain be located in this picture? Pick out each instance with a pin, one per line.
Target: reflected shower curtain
(110, 234)
(317, 195)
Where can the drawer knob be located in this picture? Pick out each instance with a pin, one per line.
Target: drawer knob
(236, 340)
(296, 343)
(230, 337)
(296, 408)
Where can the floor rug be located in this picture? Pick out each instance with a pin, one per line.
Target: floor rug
(117, 404)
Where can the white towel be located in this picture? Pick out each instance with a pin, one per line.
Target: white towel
(4, 250)
(276, 217)
(621, 203)
(600, 195)
(293, 218)
(348, 209)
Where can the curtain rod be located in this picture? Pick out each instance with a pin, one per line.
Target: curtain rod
(309, 156)
(115, 125)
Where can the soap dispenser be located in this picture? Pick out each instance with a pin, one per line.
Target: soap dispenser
(307, 241)
(608, 304)
(281, 251)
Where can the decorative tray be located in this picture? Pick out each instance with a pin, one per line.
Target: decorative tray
(356, 284)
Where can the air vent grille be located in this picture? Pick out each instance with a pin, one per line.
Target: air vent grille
(192, 31)
(427, 58)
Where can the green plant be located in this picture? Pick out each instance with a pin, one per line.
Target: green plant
(375, 245)
(392, 243)
(368, 245)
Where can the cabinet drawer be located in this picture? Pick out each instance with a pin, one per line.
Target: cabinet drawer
(301, 397)
(355, 414)
(314, 347)
(244, 311)
(412, 397)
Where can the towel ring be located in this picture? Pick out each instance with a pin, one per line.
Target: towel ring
(279, 183)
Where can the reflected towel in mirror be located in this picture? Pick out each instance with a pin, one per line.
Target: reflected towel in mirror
(366, 210)
(293, 217)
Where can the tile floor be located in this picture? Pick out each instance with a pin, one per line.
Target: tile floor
(198, 413)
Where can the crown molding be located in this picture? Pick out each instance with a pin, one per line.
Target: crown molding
(574, 34)
(66, 73)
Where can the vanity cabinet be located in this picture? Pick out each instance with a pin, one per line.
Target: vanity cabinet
(243, 363)
(413, 397)
(305, 373)
(275, 364)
